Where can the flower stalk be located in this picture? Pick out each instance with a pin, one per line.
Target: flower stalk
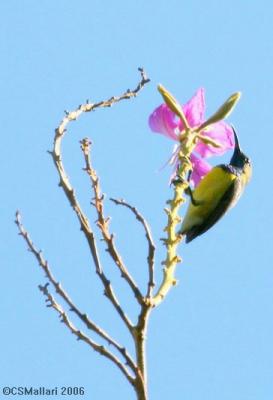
(173, 239)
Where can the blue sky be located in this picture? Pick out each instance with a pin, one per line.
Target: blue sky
(212, 337)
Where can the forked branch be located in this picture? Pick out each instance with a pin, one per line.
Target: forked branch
(51, 302)
(103, 222)
(151, 245)
(63, 294)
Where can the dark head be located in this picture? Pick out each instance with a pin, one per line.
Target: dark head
(238, 159)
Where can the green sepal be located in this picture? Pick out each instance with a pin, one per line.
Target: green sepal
(173, 104)
(222, 112)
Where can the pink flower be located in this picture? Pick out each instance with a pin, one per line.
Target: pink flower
(164, 121)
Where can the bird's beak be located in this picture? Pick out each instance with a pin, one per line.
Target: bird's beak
(237, 148)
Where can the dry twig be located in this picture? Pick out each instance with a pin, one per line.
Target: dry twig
(151, 245)
(103, 222)
(81, 336)
(59, 290)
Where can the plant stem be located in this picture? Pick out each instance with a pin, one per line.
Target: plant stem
(173, 239)
(140, 346)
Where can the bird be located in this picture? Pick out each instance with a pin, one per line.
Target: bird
(216, 193)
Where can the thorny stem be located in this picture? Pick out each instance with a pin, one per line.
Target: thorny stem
(173, 239)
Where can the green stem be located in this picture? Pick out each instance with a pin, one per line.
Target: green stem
(173, 239)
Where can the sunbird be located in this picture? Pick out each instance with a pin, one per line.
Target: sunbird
(216, 193)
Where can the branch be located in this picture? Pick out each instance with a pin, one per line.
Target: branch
(81, 336)
(173, 238)
(83, 317)
(70, 193)
(87, 107)
(103, 223)
(151, 245)
(138, 377)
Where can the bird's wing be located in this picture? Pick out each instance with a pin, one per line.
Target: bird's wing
(227, 200)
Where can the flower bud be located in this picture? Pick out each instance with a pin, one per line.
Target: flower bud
(222, 112)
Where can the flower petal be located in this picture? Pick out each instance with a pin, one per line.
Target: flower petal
(222, 133)
(200, 169)
(194, 109)
(164, 121)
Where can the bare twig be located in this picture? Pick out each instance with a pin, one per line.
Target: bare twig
(103, 222)
(87, 107)
(83, 317)
(70, 193)
(139, 332)
(151, 245)
(81, 336)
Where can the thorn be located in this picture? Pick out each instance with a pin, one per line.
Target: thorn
(167, 210)
(79, 334)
